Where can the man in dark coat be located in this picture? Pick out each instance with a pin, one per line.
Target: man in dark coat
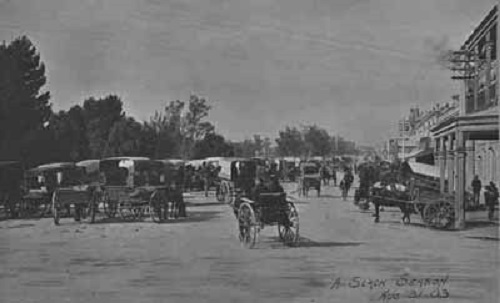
(491, 199)
(476, 189)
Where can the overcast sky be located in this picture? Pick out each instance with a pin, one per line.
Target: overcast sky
(351, 66)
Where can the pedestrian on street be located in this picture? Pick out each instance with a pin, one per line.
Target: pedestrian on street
(491, 199)
(334, 176)
(476, 189)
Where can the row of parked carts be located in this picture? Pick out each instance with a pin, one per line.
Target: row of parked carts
(133, 188)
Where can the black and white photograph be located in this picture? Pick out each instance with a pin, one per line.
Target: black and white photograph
(249, 151)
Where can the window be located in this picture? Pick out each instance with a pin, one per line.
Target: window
(493, 39)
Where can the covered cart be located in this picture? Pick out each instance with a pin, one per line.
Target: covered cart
(134, 187)
(310, 177)
(237, 176)
(40, 183)
(78, 189)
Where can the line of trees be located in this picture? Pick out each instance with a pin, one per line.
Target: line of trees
(311, 140)
(30, 131)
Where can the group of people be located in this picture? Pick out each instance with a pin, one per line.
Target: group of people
(490, 195)
(202, 177)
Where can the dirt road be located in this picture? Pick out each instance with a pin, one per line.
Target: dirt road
(343, 257)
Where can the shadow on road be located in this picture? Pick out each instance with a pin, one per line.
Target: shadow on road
(305, 242)
(480, 224)
(192, 217)
(195, 217)
(201, 204)
(276, 243)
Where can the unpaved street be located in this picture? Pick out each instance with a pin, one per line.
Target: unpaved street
(199, 259)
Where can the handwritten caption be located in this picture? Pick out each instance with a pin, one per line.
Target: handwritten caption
(394, 289)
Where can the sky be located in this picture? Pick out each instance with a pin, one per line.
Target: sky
(353, 67)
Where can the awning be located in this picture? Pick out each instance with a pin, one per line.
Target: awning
(424, 169)
(419, 153)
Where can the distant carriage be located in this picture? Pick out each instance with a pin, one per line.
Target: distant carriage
(237, 176)
(174, 179)
(78, 186)
(310, 177)
(11, 180)
(135, 187)
(39, 184)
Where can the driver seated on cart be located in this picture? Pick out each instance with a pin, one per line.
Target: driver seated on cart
(261, 187)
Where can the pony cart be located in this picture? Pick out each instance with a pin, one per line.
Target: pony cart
(265, 203)
(135, 187)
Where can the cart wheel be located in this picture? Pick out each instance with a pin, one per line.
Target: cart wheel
(289, 229)
(110, 207)
(55, 207)
(219, 193)
(42, 208)
(406, 220)
(139, 212)
(247, 225)
(156, 205)
(92, 207)
(126, 212)
(429, 214)
(226, 198)
(445, 216)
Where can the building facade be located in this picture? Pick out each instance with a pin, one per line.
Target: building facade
(466, 140)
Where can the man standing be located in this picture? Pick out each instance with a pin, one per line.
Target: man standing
(491, 199)
(476, 189)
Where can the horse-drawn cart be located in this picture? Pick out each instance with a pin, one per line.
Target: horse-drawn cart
(436, 210)
(40, 183)
(135, 187)
(236, 176)
(310, 177)
(420, 196)
(268, 208)
(78, 190)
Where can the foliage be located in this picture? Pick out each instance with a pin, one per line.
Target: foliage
(290, 142)
(30, 131)
(124, 138)
(212, 145)
(100, 115)
(24, 107)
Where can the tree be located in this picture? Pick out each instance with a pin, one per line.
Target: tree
(212, 145)
(290, 142)
(24, 107)
(193, 126)
(162, 136)
(317, 141)
(124, 138)
(100, 116)
(69, 132)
